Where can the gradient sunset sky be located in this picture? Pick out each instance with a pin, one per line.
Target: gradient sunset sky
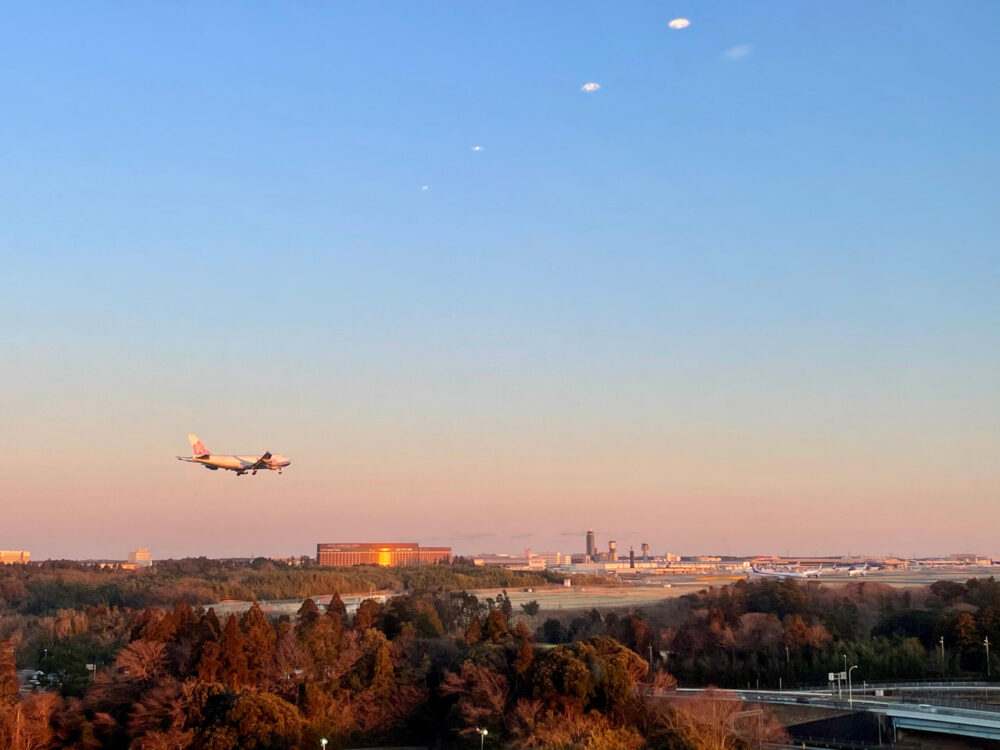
(744, 297)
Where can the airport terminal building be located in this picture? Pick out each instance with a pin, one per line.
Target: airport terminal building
(389, 554)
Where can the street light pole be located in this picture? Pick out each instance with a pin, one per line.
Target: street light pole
(986, 642)
(482, 736)
(942, 657)
(850, 688)
(845, 670)
(322, 742)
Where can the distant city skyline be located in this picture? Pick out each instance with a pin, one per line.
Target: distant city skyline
(738, 296)
(517, 546)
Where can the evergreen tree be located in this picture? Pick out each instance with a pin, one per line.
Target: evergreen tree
(307, 616)
(496, 625)
(234, 671)
(211, 628)
(383, 680)
(321, 646)
(525, 655)
(209, 663)
(367, 615)
(260, 640)
(335, 623)
(474, 633)
(9, 685)
(337, 608)
(503, 600)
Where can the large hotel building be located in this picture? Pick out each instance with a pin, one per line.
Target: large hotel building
(389, 554)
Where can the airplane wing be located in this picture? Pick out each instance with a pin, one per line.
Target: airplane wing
(260, 463)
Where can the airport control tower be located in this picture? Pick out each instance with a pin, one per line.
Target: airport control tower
(591, 545)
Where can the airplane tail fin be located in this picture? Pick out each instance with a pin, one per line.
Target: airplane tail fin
(198, 449)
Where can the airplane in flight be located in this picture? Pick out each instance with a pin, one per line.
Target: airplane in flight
(240, 464)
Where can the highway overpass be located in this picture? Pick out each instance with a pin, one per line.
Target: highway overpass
(934, 714)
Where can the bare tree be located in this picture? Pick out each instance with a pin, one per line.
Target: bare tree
(716, 721)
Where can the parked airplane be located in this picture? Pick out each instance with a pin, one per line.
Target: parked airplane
(863, 571)
(240, 464)
(835, 570)
(813, 573)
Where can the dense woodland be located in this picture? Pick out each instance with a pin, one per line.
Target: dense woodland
(434, 663)
(777, 632)
(45, 588)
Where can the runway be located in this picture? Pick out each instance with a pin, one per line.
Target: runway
(628, 594)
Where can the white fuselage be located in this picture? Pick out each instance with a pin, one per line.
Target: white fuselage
(243, 463)
(784, 573)
(240, 464)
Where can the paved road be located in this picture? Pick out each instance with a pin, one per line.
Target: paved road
(981, 721)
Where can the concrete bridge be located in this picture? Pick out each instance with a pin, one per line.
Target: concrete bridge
(882, 718)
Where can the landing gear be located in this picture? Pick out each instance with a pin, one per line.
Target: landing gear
(253, 473)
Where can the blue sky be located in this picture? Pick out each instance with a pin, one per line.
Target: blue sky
(752, 277)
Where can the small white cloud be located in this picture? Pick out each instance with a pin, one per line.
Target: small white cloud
(477, 148)
(738, 52)
(425, 188)
(679, 23)
(590, 88)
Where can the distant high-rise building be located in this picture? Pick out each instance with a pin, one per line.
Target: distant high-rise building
(613, 551)
(645, 552)
(141, 558)
(14, 557)
(591, 545)
(631, 557)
